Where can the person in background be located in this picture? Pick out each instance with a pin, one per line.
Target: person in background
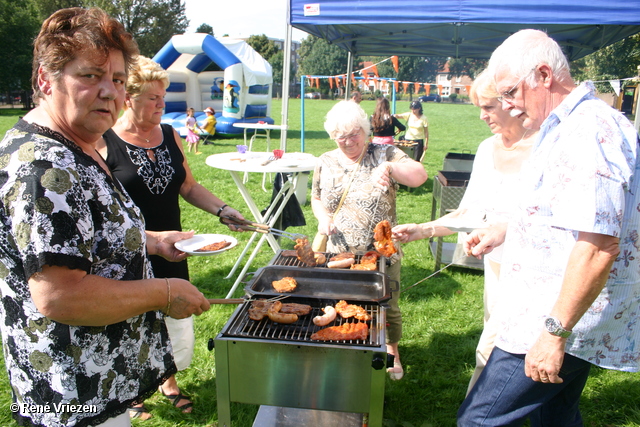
(370, 174)
(193, 138)
(571, 259)
(417, 128)
(490, 196)
(383, 124)
(148, 159)
(82, 319)
(356, 97)
(209, 127)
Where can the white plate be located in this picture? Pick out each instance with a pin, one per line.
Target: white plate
(192, 245)
(461, 225)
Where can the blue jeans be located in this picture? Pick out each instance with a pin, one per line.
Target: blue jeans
(505, 396)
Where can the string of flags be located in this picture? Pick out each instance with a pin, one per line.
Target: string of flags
(615, 84)
(341, 79)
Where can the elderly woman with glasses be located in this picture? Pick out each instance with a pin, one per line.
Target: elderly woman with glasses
(354, 188)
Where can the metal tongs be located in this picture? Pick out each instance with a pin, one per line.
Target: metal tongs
(243, 224)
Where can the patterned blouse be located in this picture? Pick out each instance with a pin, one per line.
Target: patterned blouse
(60, 208)
(365, 205)
(583, 176)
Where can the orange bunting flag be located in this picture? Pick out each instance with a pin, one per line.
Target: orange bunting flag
(318, 82)
(405, 86)
(366, 80)
(331, 82)
(353, 81)
(394, 61)
(440, 90)
(374, 69)
(416, 88)
(396, 85)
(468, 88)
(427, 88)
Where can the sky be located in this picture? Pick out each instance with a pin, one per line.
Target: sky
(241, 18)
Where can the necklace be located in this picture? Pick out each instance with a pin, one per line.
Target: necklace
(515, 144)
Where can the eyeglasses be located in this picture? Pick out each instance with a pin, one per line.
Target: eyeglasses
(509, 95)
(343, 138)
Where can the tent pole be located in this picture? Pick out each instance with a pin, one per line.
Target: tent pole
(347, 92)
(302, 113)
(286, 72)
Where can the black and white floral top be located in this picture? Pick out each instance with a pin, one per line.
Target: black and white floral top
(59, 208)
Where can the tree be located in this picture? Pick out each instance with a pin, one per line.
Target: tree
(618, 61)
(466, 67)
(261, 44)
(19, 24)
(319, 57)
(151, 22)
(205, 28)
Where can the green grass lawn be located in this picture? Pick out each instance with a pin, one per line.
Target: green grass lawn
(442, 315)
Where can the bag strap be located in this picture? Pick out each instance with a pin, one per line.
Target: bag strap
(353, 176)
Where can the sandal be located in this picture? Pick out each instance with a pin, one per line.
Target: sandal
(139, 412)
(176, 398)
(396, 373)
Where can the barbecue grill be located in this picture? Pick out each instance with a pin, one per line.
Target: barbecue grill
(279, 367)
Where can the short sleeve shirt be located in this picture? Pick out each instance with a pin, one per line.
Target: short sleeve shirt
(583, 176)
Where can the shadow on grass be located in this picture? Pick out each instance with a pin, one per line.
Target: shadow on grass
(435, 381)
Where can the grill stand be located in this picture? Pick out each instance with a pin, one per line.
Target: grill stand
(303, 376)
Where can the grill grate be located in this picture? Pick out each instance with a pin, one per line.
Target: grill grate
(241, 326)
(281, 258)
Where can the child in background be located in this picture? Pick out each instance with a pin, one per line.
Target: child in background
(192, 136)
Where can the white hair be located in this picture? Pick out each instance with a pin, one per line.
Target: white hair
(525, 50)
(344, 118)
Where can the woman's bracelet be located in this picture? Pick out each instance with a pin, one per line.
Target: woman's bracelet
(168, 309)
(221, 209)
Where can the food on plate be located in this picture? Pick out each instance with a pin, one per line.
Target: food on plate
(347, 310)
(367, 267)
(328, 316)
(341, 263)
(295, 308)
(346, 331)
(286, 284)
(258, 309)
(305, 253)
(343, 255)
(320, 258)
(382, 239)
(216, 246)
(276, 316)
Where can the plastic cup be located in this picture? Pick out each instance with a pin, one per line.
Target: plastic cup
(278, 153)
(241, 148)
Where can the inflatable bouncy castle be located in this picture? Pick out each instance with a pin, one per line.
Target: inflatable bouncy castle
(241, 93)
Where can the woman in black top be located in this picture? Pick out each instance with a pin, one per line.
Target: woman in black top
(383, 124)
(148, 159)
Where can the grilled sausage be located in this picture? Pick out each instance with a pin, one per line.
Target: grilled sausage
(341, 263)
(275, 316)
(328, 316)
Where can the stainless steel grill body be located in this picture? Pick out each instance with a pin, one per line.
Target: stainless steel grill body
(264, 363)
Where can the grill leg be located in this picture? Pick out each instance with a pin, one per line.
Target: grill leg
(222, 385)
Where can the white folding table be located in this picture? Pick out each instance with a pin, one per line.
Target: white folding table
(267, 128)
(293, 164)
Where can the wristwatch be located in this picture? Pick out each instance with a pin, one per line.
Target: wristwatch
(554, 327)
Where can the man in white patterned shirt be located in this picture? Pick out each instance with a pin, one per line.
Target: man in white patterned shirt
(571, 268)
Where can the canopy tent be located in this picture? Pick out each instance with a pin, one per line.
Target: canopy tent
(458, 28)
(463, 28)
